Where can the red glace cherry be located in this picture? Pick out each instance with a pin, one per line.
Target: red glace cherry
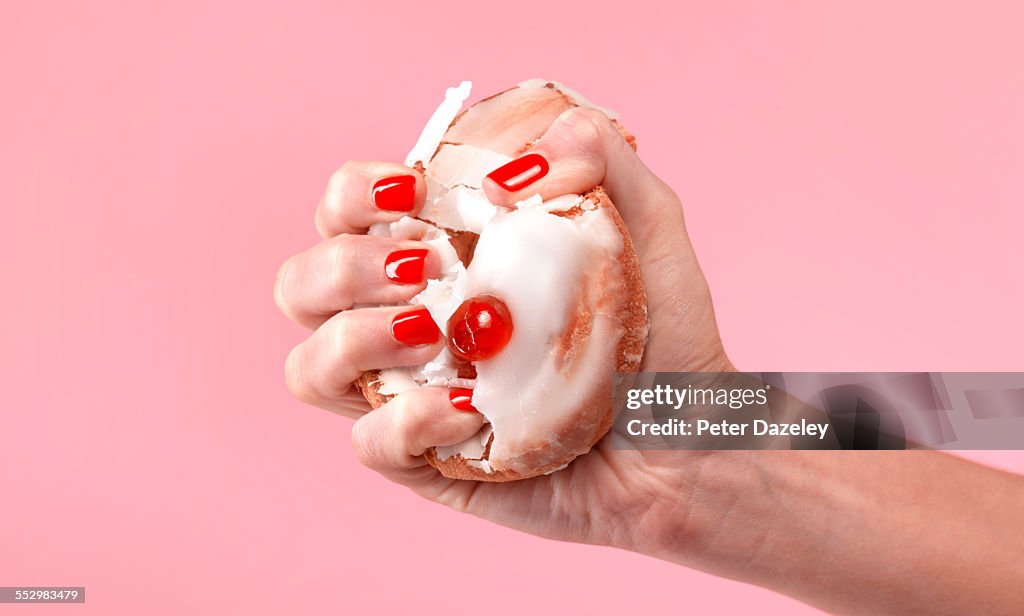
(480, 328)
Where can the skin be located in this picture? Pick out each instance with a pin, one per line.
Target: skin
(850, 532)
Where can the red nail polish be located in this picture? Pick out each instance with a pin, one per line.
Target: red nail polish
(405, 266)
(462, 399)
(415, 327)
(396, 194)
(521, 172)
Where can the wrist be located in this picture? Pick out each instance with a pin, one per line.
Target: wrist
(709, 510)
(762, 517)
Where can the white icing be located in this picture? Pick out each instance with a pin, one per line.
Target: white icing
(464, 165)
(472, 448)
(407, 228)
(481, 464)
(562, 203)
(396, 381)
(474, 208)
(439, 207)
(442, 297)
(532, 202)
(438, 123)
(540, 264)
(440, 369)
(461, 208)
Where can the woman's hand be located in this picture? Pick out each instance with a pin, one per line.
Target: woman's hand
(590, 501)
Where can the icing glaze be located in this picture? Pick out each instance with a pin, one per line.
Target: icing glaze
(546, 268)
(438, 123)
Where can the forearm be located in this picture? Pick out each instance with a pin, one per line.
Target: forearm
(860, 532)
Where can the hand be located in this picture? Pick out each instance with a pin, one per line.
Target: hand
(319, 288)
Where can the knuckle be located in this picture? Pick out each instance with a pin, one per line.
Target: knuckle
(342, 337)
(408, 425)
(295, 377)
(341, 255)
(283, 286)
(591, 127)
(336, 187)
(341, 173)
(341, 252)
(665, 195)
(406, 422)
(364, 444)
(585, 135)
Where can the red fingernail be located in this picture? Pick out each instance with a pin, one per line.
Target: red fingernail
(397, 194)
(521, 172)
(462, 399)
(406, 266)
(415, 327)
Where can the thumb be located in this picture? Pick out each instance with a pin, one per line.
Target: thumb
(583, 149)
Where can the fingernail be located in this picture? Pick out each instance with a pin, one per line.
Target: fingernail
(405, 266)
(415, 327)
(395, 194)
(521, 172)
(462, 399)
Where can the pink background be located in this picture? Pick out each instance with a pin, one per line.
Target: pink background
(852, 174)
